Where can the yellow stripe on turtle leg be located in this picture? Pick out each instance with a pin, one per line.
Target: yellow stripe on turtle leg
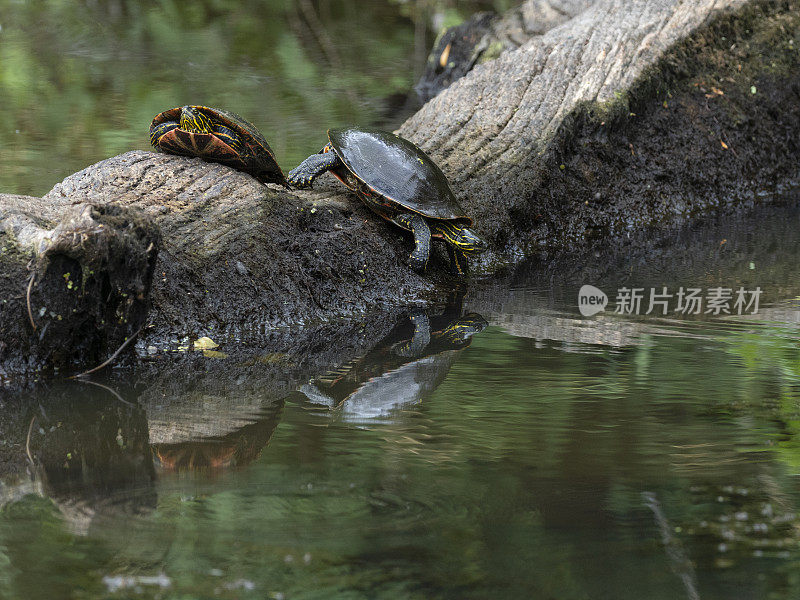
(157, 131)
(458, 261)
(460, 236)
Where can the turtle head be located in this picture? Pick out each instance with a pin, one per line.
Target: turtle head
(194, 121)
(463, 328)
(465, 239)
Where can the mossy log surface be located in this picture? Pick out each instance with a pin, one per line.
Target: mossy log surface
(626, 116)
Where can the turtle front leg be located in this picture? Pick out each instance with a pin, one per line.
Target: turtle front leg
(418, 259)
(421, 338)
(304, 174)
(158, 131)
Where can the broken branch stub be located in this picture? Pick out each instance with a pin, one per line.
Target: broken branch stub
(82, 287)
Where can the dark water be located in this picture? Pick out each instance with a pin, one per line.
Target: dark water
(528, 452)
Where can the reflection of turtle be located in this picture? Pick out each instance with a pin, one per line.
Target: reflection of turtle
(408, 364)
(216, 135)
(402, 184)
(234, 449)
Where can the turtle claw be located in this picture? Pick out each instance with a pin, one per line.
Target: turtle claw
(304, 174)
(300, 182)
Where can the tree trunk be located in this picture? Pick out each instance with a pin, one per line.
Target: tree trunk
(628, 115)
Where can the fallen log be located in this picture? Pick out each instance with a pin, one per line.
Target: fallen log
(627, 116)
(241, 257)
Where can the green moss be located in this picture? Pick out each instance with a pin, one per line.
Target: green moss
(11, 254)
(494, 50)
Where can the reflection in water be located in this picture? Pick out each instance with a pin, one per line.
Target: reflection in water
(235, 449)
(405, 367)
(539, 301)
(89, 451)
(680, 562)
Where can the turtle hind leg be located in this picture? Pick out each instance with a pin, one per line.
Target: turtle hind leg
(304, 174)
(458, 261)
(418, 259)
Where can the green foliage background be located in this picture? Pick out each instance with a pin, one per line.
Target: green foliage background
(80, 81)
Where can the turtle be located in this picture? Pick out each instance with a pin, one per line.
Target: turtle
(234, 439)
(216, 135)
(399, 182)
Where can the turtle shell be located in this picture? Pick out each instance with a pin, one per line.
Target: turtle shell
(397, 170)
(256, 157)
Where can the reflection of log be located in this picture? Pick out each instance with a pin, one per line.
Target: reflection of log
(93, 455)
(89, 446)
(191, 397)
(540, 301)
(85, 447)
(542, 146)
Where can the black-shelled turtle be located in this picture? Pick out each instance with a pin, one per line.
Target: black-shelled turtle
(399, 182)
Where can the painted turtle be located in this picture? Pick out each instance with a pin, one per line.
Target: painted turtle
(402, 184)
(216, 135)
